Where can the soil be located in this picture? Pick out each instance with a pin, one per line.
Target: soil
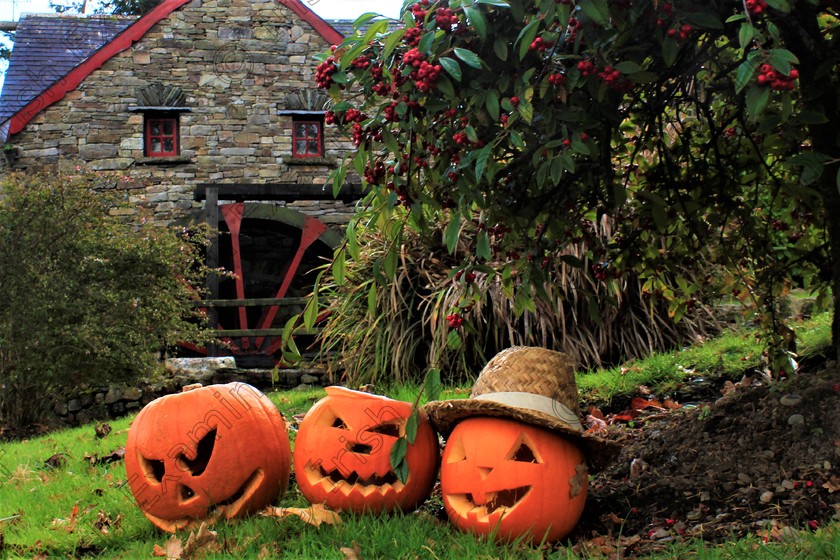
(762, 458)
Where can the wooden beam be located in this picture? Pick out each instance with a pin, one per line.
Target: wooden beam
(238, 333)
(212, 215)
(288, 192)
(252, 302)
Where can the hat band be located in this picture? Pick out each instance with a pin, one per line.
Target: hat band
(539, 403)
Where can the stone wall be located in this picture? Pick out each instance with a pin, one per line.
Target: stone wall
(101, 403)
(240, 63)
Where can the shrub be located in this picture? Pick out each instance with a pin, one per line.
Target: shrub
(87, 297)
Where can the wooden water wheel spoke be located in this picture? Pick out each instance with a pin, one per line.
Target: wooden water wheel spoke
(232, 214)
(312, 230)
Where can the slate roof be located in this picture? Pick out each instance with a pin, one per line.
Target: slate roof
(47, 47)
(345, 26)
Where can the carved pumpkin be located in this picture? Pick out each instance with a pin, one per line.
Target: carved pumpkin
(510, 479)
(220, 448)
(343, 453)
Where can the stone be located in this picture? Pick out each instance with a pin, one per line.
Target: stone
(198, 366)
(74, 405)
(790, 400)
(766, 497)
(61, 409)
(132, 394)
(744, 479)
(796, 420)
(309, 379)
(113, 395)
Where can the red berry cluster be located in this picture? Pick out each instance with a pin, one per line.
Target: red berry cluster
(425, 74)
(586, 68)
(614, 79)
(412, 36)
(769, 76)
(419, 10)
(376, 174)
(682, 33)
(541, 45)
(324, 72)
(514, 101)
(445, 19)
(601, 271)
(351, 115)
(380, 86)
(557, 79)
(572, 29)
(756, 7)
(361, 62)
(469, 277)
(455, 321)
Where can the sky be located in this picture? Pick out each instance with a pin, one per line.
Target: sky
(10, 10)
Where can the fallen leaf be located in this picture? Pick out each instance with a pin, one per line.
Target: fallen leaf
(354, 553)
(102, 430)
(203, 539)
(56, 461)
(159, 551)
(116, 455)
(313, 515)
(671, 404)
(595, 424)
(639, 403)
(833, 485)
(596, 412)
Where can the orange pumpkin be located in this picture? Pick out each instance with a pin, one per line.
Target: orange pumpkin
(512, 480)
(220, 448)
(343, 453)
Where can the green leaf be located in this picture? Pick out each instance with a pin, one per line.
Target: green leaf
(432, 384)
(352, 240)
(287, 337)
(500, 3)
(597, 10)
(500, 47)
(811, 117)
(481, 161)
(526, 110)
(371, 299)
(425, 44)
(492, 104)
(452, 232)
(468, 57)
(452, 67)
(746, 34)
(670, 50)
(310, 312)
(526, 37)
(398, 462)
(482, 246)
(476, 19)
(780, 5)
(391, 41)
(746, 72)
(391, 260)
(411, 425)
(757, 98)
(706, 20)
(781, 59)
(453, 340)
(628, 67)
(338, 268)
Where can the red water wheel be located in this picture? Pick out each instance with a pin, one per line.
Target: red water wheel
(272, 252)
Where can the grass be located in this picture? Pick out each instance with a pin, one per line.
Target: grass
(37, 501)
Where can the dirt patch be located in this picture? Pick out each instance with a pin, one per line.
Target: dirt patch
(764, 458)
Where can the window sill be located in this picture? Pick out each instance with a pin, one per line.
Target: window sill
(310, 161)
(163, 160)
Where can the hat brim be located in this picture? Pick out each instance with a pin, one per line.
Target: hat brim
(444, 415)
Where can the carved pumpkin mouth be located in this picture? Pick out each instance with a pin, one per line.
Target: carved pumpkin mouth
(335, 479)
(499, 503)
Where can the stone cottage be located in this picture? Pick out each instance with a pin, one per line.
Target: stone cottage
(204, 109)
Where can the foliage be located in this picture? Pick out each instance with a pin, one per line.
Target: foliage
(704, 131)
(112, 7)
(87, 297)
(382, 329)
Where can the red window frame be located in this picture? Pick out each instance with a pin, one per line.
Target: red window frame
(162, 136)
(307, 142)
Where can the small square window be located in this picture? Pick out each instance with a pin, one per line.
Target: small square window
(161, 136)
(307, 138)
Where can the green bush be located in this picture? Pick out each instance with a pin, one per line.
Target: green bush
(87, 297)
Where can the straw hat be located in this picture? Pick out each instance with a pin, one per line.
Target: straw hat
(531, 385)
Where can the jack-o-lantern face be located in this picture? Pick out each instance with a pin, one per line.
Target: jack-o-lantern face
(343, 453)
(513, 480)
(221, 448)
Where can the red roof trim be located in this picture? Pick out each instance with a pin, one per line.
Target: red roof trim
(124, 40)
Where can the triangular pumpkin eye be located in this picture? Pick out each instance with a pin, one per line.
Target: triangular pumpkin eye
(392, 430)
(339, 423)
(203, 452)
(524, 454)
(153, 467)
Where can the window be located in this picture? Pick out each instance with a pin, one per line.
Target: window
(307, 137)
(161, 136)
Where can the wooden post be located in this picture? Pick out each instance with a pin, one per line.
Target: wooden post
(211, 207)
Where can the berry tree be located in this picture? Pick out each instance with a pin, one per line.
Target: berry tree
(703, 131)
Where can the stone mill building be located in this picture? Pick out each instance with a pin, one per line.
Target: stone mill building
(203, 110)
